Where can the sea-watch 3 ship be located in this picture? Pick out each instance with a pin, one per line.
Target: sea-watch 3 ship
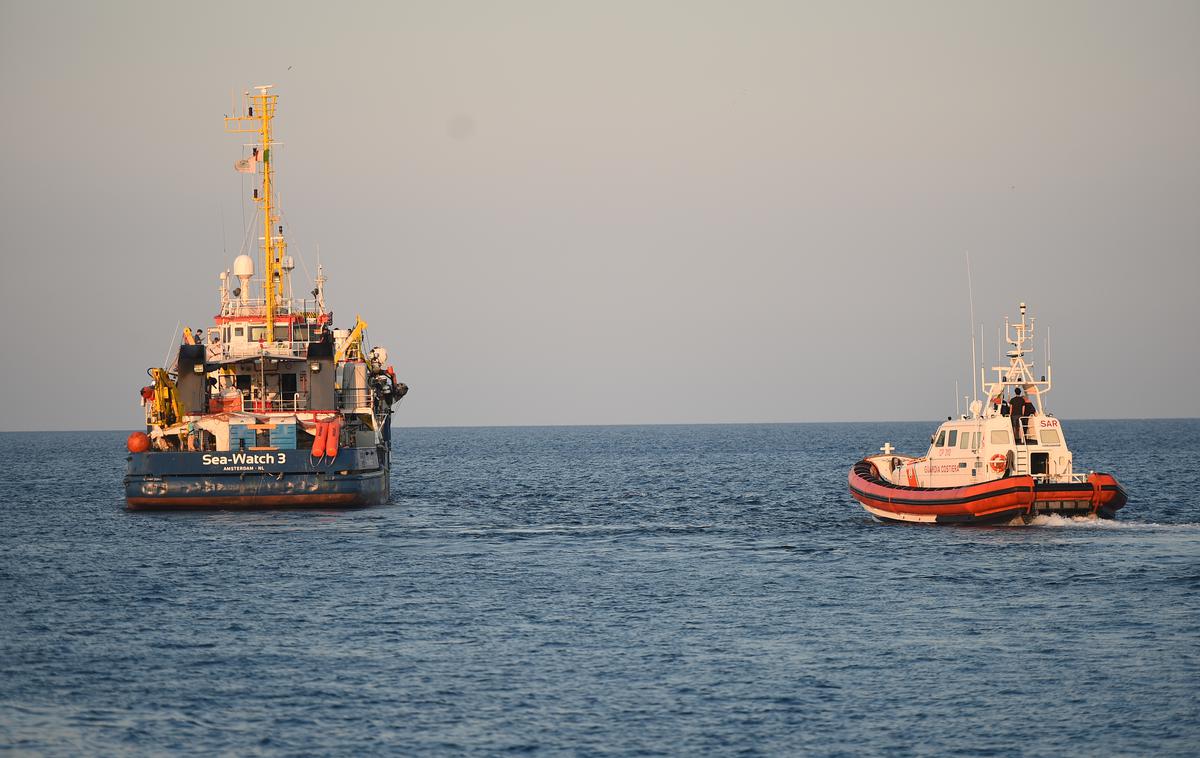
(272, 405)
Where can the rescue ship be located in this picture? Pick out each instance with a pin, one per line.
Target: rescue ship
(272, 405)
(1006, 459)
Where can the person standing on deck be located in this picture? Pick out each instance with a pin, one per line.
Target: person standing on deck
(1015, 413)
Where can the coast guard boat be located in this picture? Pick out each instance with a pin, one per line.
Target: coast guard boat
(1006, 459)
(272, 405)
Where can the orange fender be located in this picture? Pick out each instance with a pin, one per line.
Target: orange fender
(333, 430)
(318, 448)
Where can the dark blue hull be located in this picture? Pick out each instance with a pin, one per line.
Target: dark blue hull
(256, 479)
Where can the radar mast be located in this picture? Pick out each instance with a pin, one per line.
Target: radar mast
(260, 110)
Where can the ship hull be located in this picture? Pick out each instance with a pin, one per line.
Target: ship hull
(996, 501)
(184, 481)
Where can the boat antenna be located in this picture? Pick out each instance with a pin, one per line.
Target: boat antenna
(172, 344)
(1049, 373)
(971, 292)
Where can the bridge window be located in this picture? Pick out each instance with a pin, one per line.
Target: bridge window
(941, 439)
(1001, 437)
(964, 440)
(1050, 437)
(953, 438)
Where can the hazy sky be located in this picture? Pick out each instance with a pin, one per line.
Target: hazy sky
(608, 212)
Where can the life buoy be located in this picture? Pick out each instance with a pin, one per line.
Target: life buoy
(999, 462)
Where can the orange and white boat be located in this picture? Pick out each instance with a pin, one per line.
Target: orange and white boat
(1005, 459)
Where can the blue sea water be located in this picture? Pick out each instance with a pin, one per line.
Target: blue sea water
(647, 590)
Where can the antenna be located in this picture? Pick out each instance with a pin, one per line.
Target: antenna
(971, 290)
(1049, 373)
(982, 376)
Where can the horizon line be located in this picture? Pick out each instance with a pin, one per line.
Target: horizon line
(670, 423)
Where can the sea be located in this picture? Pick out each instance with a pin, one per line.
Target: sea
(609, 590)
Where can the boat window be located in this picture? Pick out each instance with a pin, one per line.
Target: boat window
(300, 333)
(257, 333)
(281, 334)
(975, 443)
(239, 332)
(953, 438)
(941, 439)
(1050, 437)
(964, 440)
(1001, 437)
(243, 382)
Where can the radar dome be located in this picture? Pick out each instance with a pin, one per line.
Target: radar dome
(243, 265)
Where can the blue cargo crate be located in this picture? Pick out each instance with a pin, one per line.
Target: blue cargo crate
(283, 436)
(241, 437)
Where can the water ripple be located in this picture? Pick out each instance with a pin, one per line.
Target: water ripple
(603, 590)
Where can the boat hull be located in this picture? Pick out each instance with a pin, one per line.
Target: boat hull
(996, 501)
(176, 481)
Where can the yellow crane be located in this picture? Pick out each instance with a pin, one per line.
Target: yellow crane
(352, 347)
(166, 409)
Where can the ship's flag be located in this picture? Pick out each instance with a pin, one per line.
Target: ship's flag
(246, 166)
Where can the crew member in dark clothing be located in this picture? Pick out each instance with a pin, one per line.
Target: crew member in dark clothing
(1016, 411)
(1028, 411)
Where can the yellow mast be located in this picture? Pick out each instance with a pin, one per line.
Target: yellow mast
(258, 120)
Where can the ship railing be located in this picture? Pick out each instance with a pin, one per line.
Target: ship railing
(353, 399)
(265, 349)
(1072, 478)
(257, 306)
(299, 402)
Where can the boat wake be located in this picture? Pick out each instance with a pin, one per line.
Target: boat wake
(1094, 522)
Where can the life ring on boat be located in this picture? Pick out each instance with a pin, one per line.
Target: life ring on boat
(999, 462)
